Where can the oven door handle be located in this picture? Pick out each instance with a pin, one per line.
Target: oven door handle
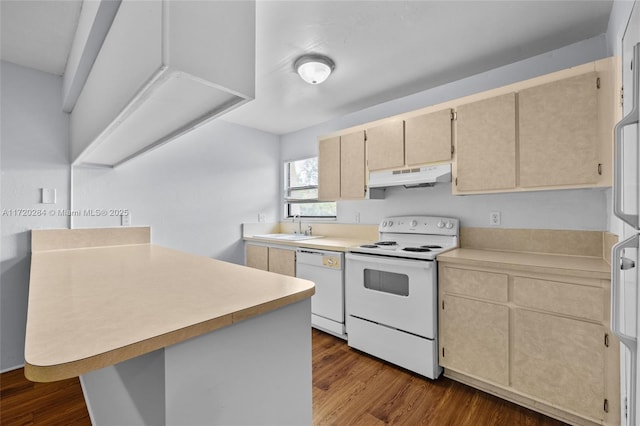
(393, 261)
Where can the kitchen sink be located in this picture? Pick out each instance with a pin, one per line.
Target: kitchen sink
(288, 237)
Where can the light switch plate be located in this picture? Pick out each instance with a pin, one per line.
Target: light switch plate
(48, 196)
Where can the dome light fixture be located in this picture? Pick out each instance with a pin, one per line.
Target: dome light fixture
(314, 69)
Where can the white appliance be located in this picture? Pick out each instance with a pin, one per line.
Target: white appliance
(411, 178)
(392, 291)
(326, 270)
(626, 198)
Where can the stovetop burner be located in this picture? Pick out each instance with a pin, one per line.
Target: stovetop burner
(416, 249)
(412, 237)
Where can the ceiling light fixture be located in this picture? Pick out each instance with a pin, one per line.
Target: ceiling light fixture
(314, 69)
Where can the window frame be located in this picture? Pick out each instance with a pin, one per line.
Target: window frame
(287, 202)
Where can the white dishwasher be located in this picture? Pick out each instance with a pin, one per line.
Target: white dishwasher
(326, 270)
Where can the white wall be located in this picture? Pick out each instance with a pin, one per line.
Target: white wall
(568, 209)
(35, 154)
(194, 192)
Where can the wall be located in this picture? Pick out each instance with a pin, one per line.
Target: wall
(35, 150)
(194, 192)
(568, 209)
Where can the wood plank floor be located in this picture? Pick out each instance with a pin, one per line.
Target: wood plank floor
(349, 388)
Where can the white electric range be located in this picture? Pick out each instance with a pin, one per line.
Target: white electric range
(392, 291)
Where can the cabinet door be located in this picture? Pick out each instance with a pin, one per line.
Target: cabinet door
(558, 132)
(329, 169)
(474, 338)
(385, 146)
(559, 360)
(486, 144)
(257, 256)
(352, 169)
(427, 138)
(282, 261)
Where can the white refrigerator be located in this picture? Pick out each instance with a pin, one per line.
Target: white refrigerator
(625, 260)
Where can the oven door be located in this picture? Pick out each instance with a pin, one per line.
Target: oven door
(397, 293)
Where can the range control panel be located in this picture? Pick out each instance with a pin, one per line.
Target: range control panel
(433, 225)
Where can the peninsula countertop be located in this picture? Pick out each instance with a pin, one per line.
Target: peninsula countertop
(92, 307)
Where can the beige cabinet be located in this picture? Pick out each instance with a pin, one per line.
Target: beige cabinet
(559, 360)
(558, 132)
(282, 261)
(385, 146)
(417, 140)
(474, 337)
(486, 144)
(352, 166)
(257, 256)
(273, 259)
(342, 168)
(551, 135)
(329, 169)
(427, 138)
(537, 338)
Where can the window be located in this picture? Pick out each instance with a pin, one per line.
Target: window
(301, 190)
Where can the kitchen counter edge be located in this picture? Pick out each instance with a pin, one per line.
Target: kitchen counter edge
(578, 266)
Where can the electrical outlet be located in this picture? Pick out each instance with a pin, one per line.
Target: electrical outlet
(495, 218)
(356, 219)
(126, 219)
(262, 217)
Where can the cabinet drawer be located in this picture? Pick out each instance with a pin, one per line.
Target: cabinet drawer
(480, 284)
(559, 297)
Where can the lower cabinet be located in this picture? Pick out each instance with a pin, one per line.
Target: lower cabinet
(537, 339)
(559, 360)
(273, 259)
(475, 338)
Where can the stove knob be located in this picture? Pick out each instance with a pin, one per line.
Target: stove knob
(390, 223)
(414, 223)
(449, 225)
(440, 224)
(384, 223)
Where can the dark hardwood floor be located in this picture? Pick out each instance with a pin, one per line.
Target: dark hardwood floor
(349, 388)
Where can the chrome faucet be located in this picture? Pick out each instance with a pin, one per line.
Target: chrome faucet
(299, 223)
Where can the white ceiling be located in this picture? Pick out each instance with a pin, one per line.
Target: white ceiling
(382, 49)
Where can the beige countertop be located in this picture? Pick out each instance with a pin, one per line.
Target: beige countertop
(94, 307)
(581, 266)
(323, 243)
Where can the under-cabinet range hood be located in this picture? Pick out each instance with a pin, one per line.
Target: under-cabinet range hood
(416, 177)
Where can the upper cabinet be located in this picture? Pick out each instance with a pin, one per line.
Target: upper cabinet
(559, 133)
(385, 146)
(341, 167)
(486, 144)
(352, 167)
(415, 141)
(164, 68)
(329, 169)
(550, 132)
(427, 138)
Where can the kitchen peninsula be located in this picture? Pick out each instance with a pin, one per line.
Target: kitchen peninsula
(159, 336)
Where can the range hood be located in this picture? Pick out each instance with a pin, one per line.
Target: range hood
(416, 177)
